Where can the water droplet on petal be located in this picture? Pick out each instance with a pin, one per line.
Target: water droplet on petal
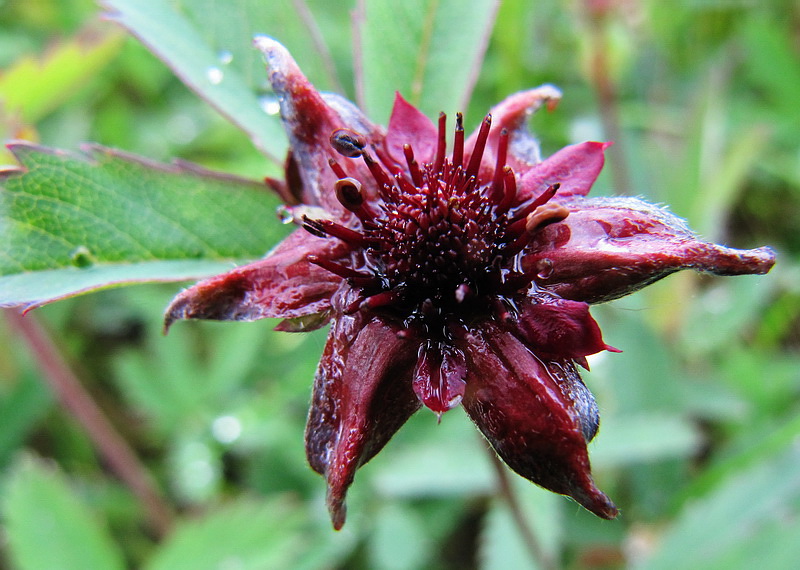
(285, 215)
(544, 269)
(225, 57)
(214, 75)
(269, 104)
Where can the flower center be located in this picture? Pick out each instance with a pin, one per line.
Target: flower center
(435, 238)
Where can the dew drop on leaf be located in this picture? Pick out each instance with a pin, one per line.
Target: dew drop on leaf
(269, 104)
(225, 57)
(226, 429)
(81, 257)
(214, 75)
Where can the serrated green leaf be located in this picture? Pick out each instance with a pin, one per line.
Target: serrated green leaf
(73, 223)
(47, 527)
(428, 50)
(248, 535)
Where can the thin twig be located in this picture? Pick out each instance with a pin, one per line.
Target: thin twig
(357, 18)
(600, 74)
(79, 403)
(307, 17)
(535, 550)
(477, 64)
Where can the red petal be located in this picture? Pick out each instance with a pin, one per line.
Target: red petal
(408, 125)
(574, 167)
(309, 119)
(534, 417)
(556, 328)
(439, 377)
(362, 396)
(609, 247)
(282, 285)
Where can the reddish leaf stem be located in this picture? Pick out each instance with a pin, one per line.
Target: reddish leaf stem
(79, 403)
(357, 18)
(307, 17)
(608, 103)
(506, 491)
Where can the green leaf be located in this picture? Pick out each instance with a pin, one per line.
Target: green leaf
(394, 527)
(48, 527)
(208, 45)
(746, 522)
(174, 38)
(642, 438)
(448, 459)
(73, 223)
(21, 407)
(245, 535)
(502, 544)
(428, 50)
(34, 87)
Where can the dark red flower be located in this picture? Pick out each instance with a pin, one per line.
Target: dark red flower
(449, 277)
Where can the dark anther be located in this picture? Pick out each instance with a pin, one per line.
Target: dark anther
(325, 228)
(348, 192)
(458, 142)
(348, 143)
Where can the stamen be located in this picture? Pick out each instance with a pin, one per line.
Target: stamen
(497, 183)
(337, 268)
(542, 198)
(390, 165)
(380, 299)
(348, 143)
(542, 216)
(480, 145)
(350, 195)
(380, 176)
(441, 147)
(404, 184)
(323, 228)
(413, 165)
(458, 142)
(517, 245)
(313, 228)
(348, 192)
(510, 191)
(337, 168)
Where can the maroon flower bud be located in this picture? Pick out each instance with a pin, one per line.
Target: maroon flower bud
(450, 277)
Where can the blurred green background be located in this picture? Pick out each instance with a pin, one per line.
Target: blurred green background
(700, 437)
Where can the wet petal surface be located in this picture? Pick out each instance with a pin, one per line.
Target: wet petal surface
(610, 247)
(535, 421)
